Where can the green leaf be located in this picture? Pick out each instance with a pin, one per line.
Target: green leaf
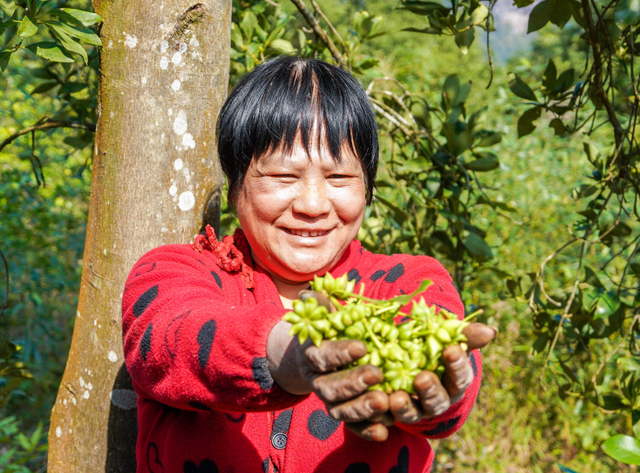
(480, 14)
(627, 13)
(483, 164)
(612, 402)
(568, 371)
(428, 30)
(248, 24)
(8, 8)
(522, 3)
(591, 277)
(423, 8)
(464, 39)
(623, 448)
(583, 190)
(478, 248)
(399, 215)
(44, 87)
(489, 139)
(549, 76)
(5, 56)
(50, 51)
(592, 152)
(86, 18)
(419, 164)
(521, 89)
(558, 127)
(282, 46)
(629, 364)
(565, 80)
(68, 43)
(540, 15)
(576, 11)
(87, 36)
(27, 28)
(525, 122)
(561, 13)
(607, 305)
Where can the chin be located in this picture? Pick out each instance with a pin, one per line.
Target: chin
(305, 272)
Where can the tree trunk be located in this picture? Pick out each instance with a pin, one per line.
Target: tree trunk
(156, 180)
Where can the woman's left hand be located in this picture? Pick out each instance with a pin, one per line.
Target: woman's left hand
(434, 397)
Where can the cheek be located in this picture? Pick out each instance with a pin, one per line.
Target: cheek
(263, 205)
(349, 205)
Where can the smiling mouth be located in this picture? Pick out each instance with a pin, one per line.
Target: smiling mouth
(306, 233)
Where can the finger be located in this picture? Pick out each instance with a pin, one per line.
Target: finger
(340, 386)
(458, 374)
(479, 335)
(320, 297)
(434, 398)
(332, 355)
(372, 431)
(404, 409)
(370, 406)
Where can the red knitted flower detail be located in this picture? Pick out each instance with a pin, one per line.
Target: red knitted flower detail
(231, 253)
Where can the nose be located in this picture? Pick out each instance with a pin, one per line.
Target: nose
(312, 200)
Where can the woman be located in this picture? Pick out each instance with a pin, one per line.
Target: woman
(222, 386)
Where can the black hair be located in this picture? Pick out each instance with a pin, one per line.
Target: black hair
(289, 95)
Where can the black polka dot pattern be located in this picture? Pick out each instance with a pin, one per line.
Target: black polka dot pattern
(265, 465)
(145, 301)
(321, 425)
(153, 459)
(145, 342)
(377, 275)
(216, 279)
(394, 273)
(198, 405)
(403, 462)
(171, 335)
(353, 275)
(144, 268)
(474, 365)
(442, 426)
(235, 419)
(206, 466)
(358, 468)
(261, 374)
(282, 422)
(405, 319)
(205, 340)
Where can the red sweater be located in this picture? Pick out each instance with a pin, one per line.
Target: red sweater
(195, 345)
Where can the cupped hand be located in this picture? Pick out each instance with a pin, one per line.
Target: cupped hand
(434, 396)
(301, 369)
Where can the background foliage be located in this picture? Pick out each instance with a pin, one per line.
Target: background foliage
(526, 190)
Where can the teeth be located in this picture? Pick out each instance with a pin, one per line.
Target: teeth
(304, 233)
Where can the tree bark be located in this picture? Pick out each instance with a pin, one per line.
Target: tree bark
(156, 180)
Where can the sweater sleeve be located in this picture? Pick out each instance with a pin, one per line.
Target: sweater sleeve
(194, 337)
(409, 273)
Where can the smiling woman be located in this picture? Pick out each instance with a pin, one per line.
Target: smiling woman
(222, 385)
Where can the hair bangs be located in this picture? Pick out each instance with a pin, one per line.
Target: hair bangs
(290, 99)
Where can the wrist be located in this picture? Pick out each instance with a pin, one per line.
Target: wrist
(282, 360)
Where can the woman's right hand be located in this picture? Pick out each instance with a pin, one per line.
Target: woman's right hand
(302, 369)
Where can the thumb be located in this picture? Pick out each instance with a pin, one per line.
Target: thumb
(479, 335)
(320, 297)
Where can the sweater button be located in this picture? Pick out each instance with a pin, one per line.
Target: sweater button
(279, 441)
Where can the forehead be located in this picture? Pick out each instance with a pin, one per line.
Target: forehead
(318, 155)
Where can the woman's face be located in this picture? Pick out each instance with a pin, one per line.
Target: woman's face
(300, 212)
